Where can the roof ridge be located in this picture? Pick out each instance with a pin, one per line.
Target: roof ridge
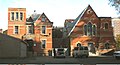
(77, 19)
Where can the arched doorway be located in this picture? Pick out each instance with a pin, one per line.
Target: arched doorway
(107, 45)
(91, 47)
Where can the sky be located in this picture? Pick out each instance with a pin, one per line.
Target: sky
(56, 10)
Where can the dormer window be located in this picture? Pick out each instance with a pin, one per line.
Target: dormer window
(43, 18)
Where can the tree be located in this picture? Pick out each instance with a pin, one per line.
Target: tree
(118, 40)
(116, 4)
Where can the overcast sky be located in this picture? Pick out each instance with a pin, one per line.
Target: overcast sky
(56, 10)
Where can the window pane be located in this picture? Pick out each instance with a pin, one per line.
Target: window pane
(21, 16)
(17, 15)
(106, 25)
(94, 29)
(12, 15)
(43, 43)
(16, 29)
(30, 29)
(43, 29)
(89, 29)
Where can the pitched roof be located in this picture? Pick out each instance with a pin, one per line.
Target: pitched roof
(35, 16)
(29, 19)
(5, 39)
(77, 20)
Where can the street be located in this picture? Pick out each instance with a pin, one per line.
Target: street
(67, 60)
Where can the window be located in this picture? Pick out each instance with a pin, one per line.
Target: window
(78, 45)
(43, 18)
(16, 29)
(85, 29)
(106, 45)
(89, 29)
(21, 16)
(17, 15)
(106, 25)
(30, 29)
(94, 29)
(12, 15)
(89, 11)
(43, 43)
(43, 29)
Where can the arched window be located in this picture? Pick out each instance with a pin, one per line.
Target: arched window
(89, 29)
(85, 29)
(94, 30)
(106, 25)
(78, 45)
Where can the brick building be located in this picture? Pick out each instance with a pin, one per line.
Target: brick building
(37, 28)
(116, 26)
(90, 30)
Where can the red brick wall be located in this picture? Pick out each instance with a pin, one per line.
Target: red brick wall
(19, 23)
(102, 36)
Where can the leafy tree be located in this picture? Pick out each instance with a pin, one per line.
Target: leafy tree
(5, 32)
(57, 33)
(118, 40)
(116, 4)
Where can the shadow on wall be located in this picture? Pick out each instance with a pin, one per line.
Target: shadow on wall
(35, 49)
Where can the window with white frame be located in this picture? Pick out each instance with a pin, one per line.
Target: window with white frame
(43, 29)
(16, 29)
(30, 30)
(17, 15)
(12, 15)
(21, 16)
(43, 44)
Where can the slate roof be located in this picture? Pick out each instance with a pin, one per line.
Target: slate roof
(29, 19)
(35, 16)
(32, 19)
(77, 20)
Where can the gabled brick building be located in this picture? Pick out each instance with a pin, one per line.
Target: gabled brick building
(37, 28)
(90, 30)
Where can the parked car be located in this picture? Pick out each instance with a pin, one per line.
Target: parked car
(116, 54)
(80, 52)
(60, 52)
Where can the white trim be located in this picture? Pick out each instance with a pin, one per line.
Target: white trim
(45, 30)
(77, 43)
(27, 31)
(11, 15)
(45, 43)
(16, 16)
(14, 29)
(77, 20)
